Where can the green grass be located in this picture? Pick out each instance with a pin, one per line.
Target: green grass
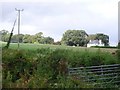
(38, 65)
(28, 46)
(41, 68)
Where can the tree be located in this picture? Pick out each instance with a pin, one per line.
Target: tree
(21, 38)
(47, 40)
(27, 38)
(104, 38)
(38, 37)
(57, 43)
(91, 37)
(99, 36)
(15, 38)
(4, 35)
(4, 32)
(75, 37)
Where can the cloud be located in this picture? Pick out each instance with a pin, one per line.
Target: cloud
(54, 17)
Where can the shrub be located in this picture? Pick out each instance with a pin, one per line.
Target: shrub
(47, 67)
(16, 66)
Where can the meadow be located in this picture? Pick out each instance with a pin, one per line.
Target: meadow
(45, 66)
(28, 46)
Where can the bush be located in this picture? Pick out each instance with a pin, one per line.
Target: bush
(47, 67)
(17, 66)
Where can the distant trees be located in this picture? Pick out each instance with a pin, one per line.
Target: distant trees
(57, 43)
(38, 37)
(15, 38)
(4, 35)
(100, 36)
(47, 40)
(70, 38)
(75, 37)
(4, 32)
(104, 38)
(91, 37)
(81, 38)
(27, 38)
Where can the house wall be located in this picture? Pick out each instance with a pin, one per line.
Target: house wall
(89, 45)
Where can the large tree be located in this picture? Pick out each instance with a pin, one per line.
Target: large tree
(27, 38)
(38, 37)
(91, 37)
(4, 35)
(75, 37)
(47, 40)
(99, 36)
(15, 38)
(104, 38)
(4, 32)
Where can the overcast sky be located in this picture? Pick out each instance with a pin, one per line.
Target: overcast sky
(54, 17)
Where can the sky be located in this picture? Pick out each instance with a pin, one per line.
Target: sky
(54, 17)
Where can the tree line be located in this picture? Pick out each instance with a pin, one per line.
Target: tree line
(70, 38)
(26, 38)
(81, 38)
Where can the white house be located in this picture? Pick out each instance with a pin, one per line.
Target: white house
(95, 43)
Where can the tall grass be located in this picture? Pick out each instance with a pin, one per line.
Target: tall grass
(28, 46)
(46, 67)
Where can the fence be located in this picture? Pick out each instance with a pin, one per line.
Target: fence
(103, 74)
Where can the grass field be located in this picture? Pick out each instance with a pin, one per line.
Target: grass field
(28, 46)
(42, 65)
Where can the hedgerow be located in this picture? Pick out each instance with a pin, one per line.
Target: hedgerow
(47, 67)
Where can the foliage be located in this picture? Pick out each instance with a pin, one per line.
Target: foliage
(38, 37)
(47, 40)
(70, 37)
(15, 38)
(75, 37)
(16, 66)
(27, 38)
(104, 38)
(46, 67)
(91, 37)
(57, 43)
(4, 35)
(99, 36)
(4, 32)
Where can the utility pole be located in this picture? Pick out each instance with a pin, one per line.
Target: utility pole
(18, 24)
